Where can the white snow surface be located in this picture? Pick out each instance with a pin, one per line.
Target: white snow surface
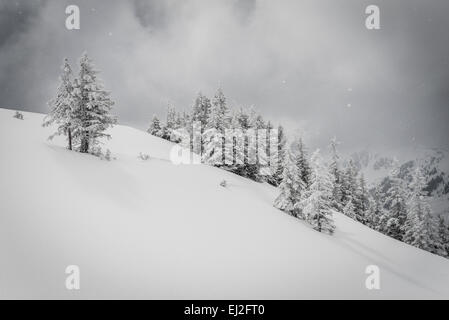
(154, 230)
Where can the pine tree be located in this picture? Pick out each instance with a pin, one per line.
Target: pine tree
(62, 106)
(419, 229)
(443, 234)
(281, 143)
(349, 210)
(302, 162)
(375, 212)
(171, 124)
(155, 127)
(213, 137)
(201, 110)
(290, 187)
(317, 202)
(335, 171)
(219, 113)
(349, 182)
(396, 205)
(362, 201)
(92, 107)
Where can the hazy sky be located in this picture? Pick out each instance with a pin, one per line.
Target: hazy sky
(311, 65)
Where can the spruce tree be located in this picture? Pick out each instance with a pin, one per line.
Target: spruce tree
(375, 211)
(396, 206)
(349, 210)
(92, 107)
(155, 127)
(219, 113)
(62, 107)
(362, 201)
(290, 187)
(201, 110)
(418, 228)
(213, 137)
(316, 205)
(336, 174)
(280, 143)
(443, 235)
(349, 182)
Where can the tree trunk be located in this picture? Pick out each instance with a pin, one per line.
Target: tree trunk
(70, 138)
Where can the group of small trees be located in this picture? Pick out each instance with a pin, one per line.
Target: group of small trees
(306, 189)
(81, 108)
(213, 119)
(312, 191)
(403, 212)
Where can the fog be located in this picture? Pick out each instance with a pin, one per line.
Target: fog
(310, 65)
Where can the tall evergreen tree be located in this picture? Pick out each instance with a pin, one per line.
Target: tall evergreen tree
(62, 106)
(336, 174)
(349, 182)
(290, 187)
(213, 137)
(419, 229)
(92, 108)
(301, 161)
(219, 113)
(362, 200)
(349, 210)
(396, 206)
(280, 142)
(443, 234)
(316, 205)
(375, 212)
(155, 127)
(201, 110)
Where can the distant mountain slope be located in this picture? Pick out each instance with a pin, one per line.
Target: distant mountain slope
(150, 229)
(435, 163)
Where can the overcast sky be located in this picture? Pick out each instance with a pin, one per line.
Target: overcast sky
(311, 65)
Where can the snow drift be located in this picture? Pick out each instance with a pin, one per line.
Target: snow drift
(151, 229)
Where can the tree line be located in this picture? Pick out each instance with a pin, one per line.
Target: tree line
(311, 188)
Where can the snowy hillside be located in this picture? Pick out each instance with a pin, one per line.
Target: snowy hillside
(150, 229)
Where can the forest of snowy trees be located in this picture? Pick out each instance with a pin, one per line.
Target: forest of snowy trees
(81, 108)
(310, 188)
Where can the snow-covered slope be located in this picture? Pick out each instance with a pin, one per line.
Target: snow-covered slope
(150, 229)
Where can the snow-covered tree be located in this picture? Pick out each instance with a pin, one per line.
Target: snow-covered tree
(213, 136)
(316, 205)
(419, 225)
(302, 161)
(349, 210)
(375, 212)
(290, 187)
(336, 174)
(155, 127)
(62, 107)
(92, 107)
(280, 143)
(213, 147)
(362, 200)
(395, 203)
(443, 235)
(219, 113)
(201, 110)
(349, 182)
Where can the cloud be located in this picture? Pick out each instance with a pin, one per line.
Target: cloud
(300, 62)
